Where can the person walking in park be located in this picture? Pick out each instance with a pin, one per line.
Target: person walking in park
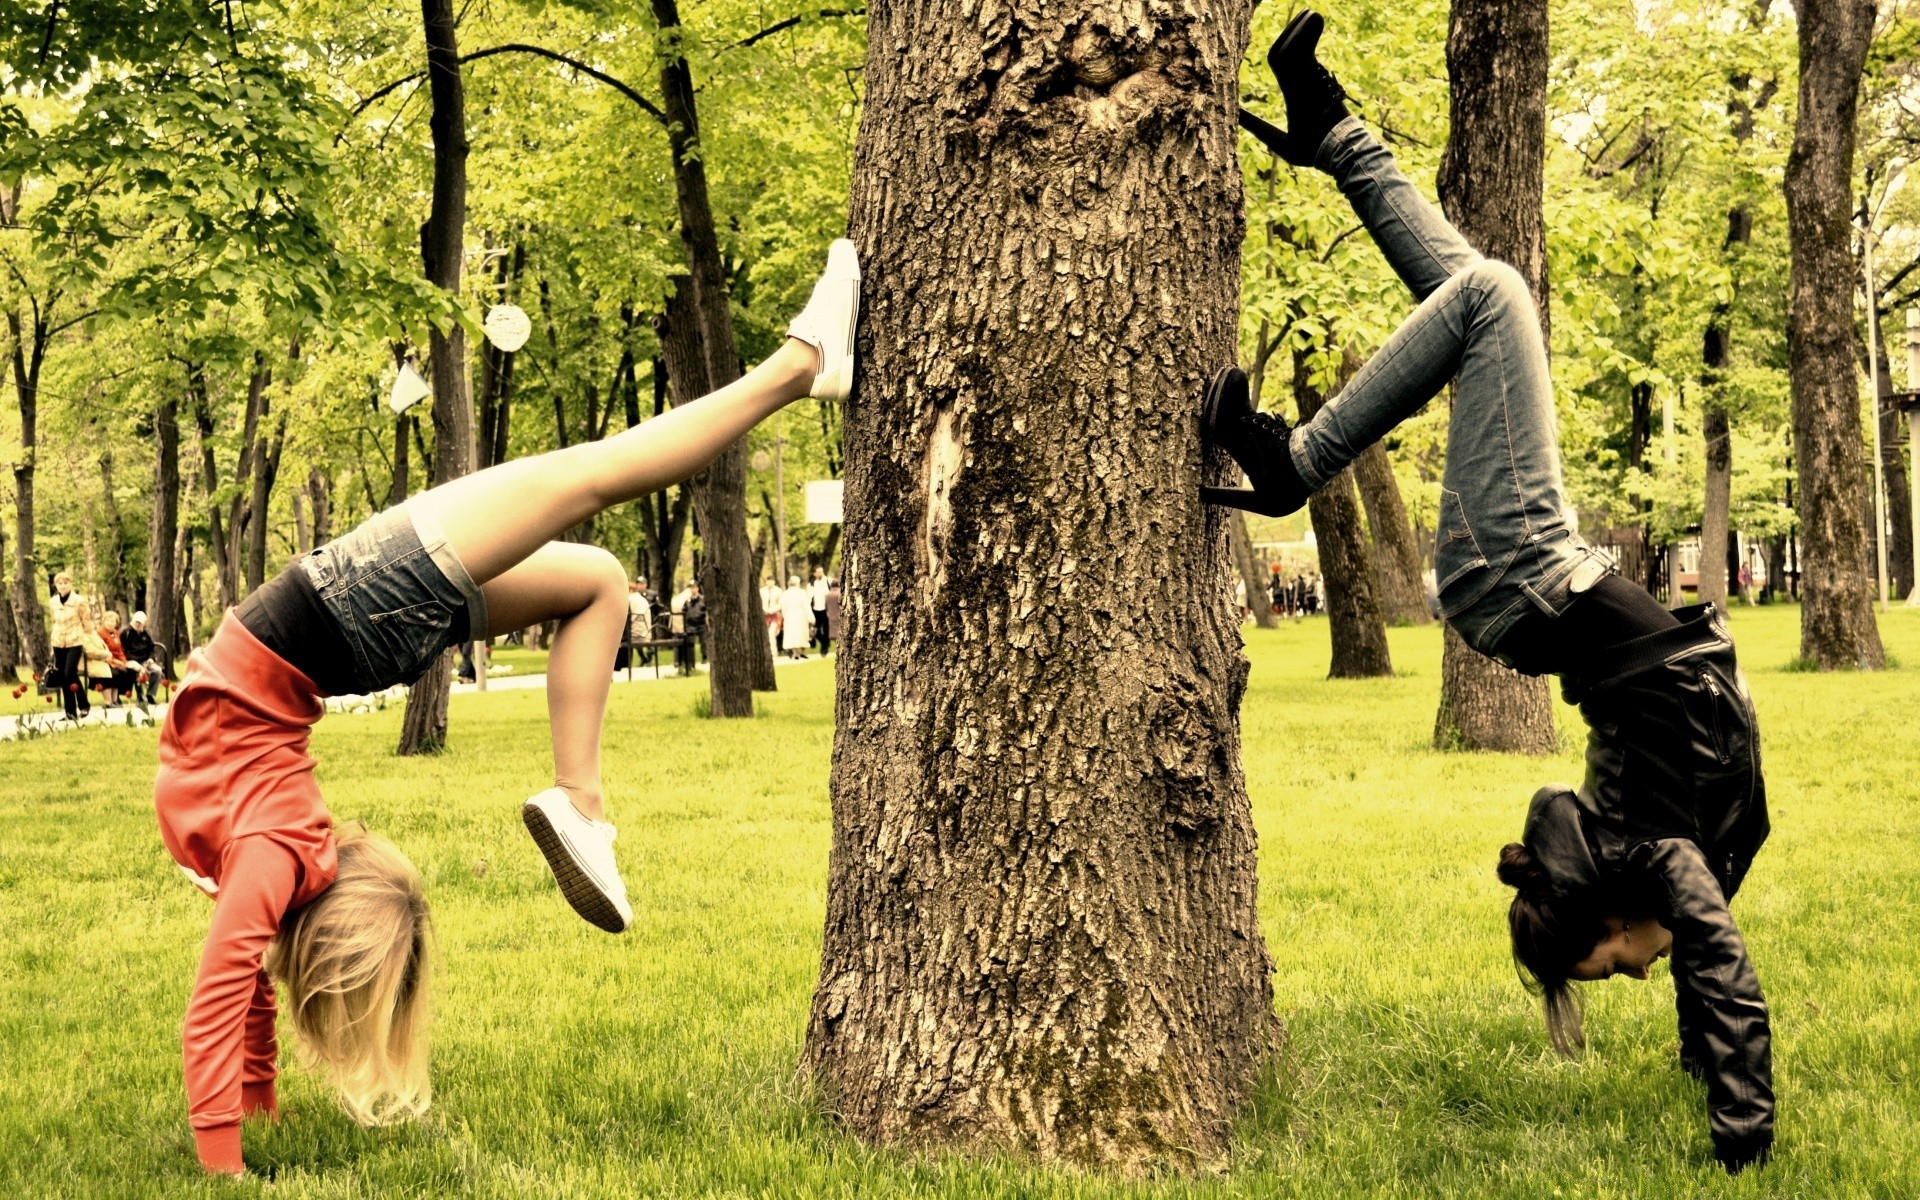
(770, 608)
(796, 617)
(341, 919)
(1641, 861)
(817, 600)
(67, 633)
(139, 648)
(693, 639)
(833, 612)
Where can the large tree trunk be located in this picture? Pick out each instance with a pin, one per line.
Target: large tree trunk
(163, 572)
(424, 728)
(1354, 625)
(719, 492)
(1836, 614)
(28, 586)
(1042, 933)
(1396, 552)
(1240, 545)
(1490, 186)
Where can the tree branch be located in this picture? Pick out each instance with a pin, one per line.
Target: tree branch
(789, 23)
(652, 109)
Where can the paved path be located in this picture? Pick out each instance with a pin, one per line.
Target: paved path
(34, 725)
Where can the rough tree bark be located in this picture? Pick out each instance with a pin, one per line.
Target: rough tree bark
(1357, 633)
(424, 728)
(1240, 545)
(1836, 586)
(1041, 930)
(1396, 552)
(1490, 185)
(163, 570)
(719, 492)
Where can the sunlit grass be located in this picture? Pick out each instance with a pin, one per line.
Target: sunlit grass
(568, 1063)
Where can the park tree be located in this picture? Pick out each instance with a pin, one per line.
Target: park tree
(1836, 617)
(1041, 931)
(1490, 184)
(1355, 628)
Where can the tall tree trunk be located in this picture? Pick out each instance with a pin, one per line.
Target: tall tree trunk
(163, 578)
(10, 648)
(1893, 463)
(28, 585)
(1042, 933)
(1240, 546)
(320, 496)
(118, 588)
(1836, 614)
(266, 459)
(239, 508)
(1490, 185)
(1357, 632)
(423, 730)
(1396, 552)
(209, 483)
(402, 483)
(719, 492)
(1715, 431)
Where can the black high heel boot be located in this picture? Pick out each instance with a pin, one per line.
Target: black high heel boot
(1257, 441)
(1315, 100)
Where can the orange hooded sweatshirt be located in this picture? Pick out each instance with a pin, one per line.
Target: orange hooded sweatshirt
(240, 812)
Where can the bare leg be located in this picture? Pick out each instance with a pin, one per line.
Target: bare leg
(585, 589)
(497, 517)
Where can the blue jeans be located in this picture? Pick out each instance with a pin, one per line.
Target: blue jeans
(394, 586)
(1506, 544)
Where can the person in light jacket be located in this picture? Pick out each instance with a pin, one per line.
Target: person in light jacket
(67, 632)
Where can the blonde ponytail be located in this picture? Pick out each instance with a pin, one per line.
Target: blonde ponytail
(355, 965)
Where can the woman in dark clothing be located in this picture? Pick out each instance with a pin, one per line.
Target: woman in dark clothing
(1641, 860)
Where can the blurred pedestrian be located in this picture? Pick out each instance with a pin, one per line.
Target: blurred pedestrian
(796, 619)
(67, 633)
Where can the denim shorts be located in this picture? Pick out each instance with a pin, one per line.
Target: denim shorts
(397, 591)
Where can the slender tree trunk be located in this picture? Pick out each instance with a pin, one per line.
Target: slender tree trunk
(118, 586)
(1357, 632)
(1240, 545)
(1893, 463)
(239, 509)
(719, 492)
(266, 456)
(28, 586)
(1490, 184)
(402, 483)
(424, 728)
(10, 648)
(1836, 615)
(320, 496)
(209, 480)
(163, 579)
(1714, 512)
(1042, 933)
(1396, 552)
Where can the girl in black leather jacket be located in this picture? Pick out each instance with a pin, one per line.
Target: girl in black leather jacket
(1640, 861)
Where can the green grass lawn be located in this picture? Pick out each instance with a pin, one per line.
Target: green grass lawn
(568, 1063)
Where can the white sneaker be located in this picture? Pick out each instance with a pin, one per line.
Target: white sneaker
(580, 853)
(828, 321)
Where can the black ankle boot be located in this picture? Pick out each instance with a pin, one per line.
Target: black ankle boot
(1258, 442)
(1315, 100)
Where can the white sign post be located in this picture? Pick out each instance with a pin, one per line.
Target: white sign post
(825, 502)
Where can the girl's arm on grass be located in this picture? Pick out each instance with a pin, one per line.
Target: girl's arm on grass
(1733, 1042)
(227, 1043)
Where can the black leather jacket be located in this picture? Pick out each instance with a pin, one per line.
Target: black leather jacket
(1669, 818)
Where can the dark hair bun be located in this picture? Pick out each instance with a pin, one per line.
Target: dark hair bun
(1519, 869)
